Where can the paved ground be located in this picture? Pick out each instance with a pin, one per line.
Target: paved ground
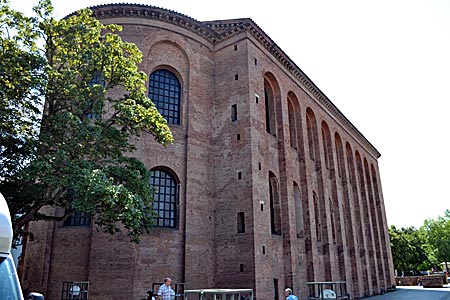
(415, 293)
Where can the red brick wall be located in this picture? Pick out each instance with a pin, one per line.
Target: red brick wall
(206, 250)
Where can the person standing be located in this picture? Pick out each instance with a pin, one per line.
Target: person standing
(288, 294)
(165, 291)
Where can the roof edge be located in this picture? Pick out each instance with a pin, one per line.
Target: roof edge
(220, 30)
(253, 28)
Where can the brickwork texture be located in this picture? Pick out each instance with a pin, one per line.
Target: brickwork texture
(275, 187)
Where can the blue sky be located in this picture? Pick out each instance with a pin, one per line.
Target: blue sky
(384, 63)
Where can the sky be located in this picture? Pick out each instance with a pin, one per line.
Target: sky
(384, 63)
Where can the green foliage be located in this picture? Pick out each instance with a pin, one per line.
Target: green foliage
(424, 248)
(21, 83)
(438, 237)
(408, 249)
(77, 155)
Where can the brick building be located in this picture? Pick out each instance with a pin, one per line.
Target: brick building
(267, 185)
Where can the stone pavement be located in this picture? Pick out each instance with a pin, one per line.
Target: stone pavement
(415, 293)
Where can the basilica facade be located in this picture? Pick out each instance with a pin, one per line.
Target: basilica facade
(267, 185)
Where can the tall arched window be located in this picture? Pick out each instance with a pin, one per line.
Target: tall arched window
(311, 128)
(333, 219)
(339, 154)
(327, 149)
(317, 217)
(165, 91)
(292, 125)
(164, 198)
(298, 211)
(269, 102)
(96, 86)
(275, 208)
(350, 164)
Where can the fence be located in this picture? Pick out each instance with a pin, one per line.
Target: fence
(219, 294)
(336, 290)
(177, 287)
(75, 290)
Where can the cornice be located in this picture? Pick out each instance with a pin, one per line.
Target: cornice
(221, 30)
(251, 27)
(152, 12)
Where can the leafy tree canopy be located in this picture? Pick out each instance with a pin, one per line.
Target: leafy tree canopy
(73, 102)
(408, 249)
(438, 236)
(422, 249)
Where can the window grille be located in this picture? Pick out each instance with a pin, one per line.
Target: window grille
(165, 92)
(164, 198)
(75, 290)
(78, 218)
(97, 79)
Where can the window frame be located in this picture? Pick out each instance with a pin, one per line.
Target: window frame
(164, 89)
(169, 217)
(78, 218)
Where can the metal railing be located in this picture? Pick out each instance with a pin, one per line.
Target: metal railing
(75, 290)
(177, 287)
(335, 290)
(219, 294)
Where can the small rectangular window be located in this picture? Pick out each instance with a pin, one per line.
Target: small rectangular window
(241, 267)
(259, 166)
(262, 206)
(263, 249)
(236, 76)
(234, 112)
(238, 137)
(240, 222)
(235, 47)
(239, 175)
(256, 62)
(256, 98)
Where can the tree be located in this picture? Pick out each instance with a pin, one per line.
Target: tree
(408, 249)
(438, 238)
(78, 156)
(21, 79)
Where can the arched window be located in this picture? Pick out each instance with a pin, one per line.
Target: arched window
(339, 154)
(270, 108)
(96, 86)
(311, 128)
(292, 125)
(350, 164)
(275, 209)
(165, 91)
(327, 149)
(317, 217)
(298, 211)
(333, 219)
(164, 198)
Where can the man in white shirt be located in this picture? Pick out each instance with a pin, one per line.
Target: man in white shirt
(165, 291)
